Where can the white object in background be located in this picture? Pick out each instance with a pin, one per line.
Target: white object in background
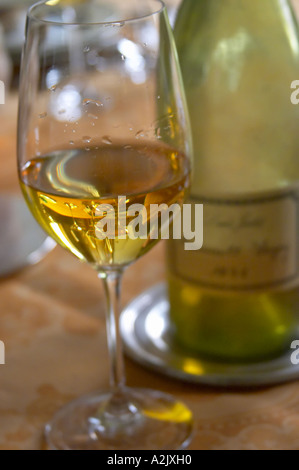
(5, 64)
(172, 8)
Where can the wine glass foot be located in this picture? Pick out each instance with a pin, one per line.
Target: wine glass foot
(136, 419)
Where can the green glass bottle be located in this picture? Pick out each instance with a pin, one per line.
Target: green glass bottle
(237, 298)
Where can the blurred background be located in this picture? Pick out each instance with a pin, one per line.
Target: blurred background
(12, 24)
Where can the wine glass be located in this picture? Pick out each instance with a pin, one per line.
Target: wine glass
(103, 126)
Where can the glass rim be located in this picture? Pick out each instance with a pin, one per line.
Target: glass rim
(37, 5)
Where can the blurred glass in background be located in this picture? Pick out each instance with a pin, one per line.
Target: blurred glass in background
(12, 24)
(22, 242)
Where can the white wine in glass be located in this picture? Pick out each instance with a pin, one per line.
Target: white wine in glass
(102, 118)
(66, 203)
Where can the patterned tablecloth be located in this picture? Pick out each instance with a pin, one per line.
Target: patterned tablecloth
(53, 325)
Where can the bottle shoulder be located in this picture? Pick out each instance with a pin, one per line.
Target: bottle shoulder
(207, 28)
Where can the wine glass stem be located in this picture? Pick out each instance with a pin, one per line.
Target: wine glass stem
(112, 285)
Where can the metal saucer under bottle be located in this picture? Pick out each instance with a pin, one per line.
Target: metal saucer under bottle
(148, 340)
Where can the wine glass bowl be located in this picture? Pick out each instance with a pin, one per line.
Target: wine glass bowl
(103, 134)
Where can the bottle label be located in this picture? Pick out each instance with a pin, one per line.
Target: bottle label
(250, 243)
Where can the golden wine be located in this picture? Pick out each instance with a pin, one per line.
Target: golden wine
(66, 188)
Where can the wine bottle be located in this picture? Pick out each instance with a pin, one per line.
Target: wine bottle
(237, 298)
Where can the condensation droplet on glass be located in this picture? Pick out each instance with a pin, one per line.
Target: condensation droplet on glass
(127, 147)
(53, 88)
(122, 57)
(74, 131)
(86, 139)
(119, 24)
(71, 142)
(145, 44)
(62, 111)
(42, 115)
(93, 124)
(87, 149)
(92, 116)
(86, 49)
(107, 140)
(88, 101)
(131, 129)
(158, 97)
(139, 134)
(71, 206)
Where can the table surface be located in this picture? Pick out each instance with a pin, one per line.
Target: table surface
(52, 321)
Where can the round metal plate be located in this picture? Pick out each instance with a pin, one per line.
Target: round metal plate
(148, 340)
(22, 241)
